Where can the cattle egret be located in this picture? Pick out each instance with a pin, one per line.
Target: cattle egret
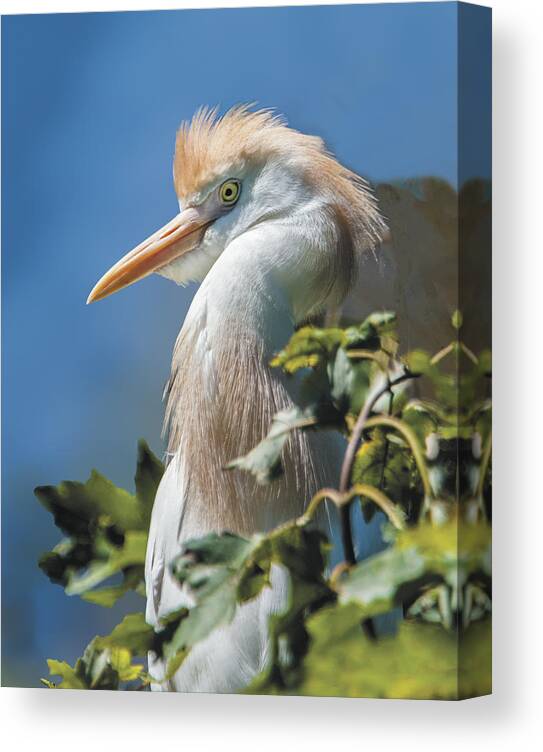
(274, 228)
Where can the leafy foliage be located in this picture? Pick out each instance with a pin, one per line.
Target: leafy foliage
(106, 532)
(418, 428)
(224, 571)
(107, 662)
(342, 363)
(421, 661)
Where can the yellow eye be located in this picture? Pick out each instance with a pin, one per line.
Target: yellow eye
(229, 192)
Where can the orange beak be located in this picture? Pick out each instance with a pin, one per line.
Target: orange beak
(181, 235)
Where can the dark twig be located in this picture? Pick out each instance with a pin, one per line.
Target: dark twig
(385, 450)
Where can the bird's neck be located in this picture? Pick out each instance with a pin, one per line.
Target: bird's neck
(222, 396)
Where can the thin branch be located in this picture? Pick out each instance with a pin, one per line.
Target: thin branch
(343, 500)
(356, 435)
(393, 511)
(469, 354)
(443, 353)
(336, 573)
(350, 454)
(385, 451)
(325, 493)
(366, 355)
(453, 347)
(347, 534)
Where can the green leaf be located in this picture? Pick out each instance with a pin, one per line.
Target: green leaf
(106, 530)
(375, 583)
(120, 660)
(264, 461)
(341, 378)
(449, 546)
(107, 661)
(456, 319)
(132, 634)
(222, 571)
(386, 462)
(334, 386)
(308, 347)
(68, 676)
(112, 561)
(133, 579)
(421, 557)
(421, 662)
(77, 506)
(377, 331)
(148, 475)
(212, 569)
(362, 376)
(423, 418)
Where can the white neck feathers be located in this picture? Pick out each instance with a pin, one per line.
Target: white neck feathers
(222, 394)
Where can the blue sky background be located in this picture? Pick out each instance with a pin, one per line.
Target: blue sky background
(90, 106)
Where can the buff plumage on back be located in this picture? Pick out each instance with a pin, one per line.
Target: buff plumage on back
(211, 146)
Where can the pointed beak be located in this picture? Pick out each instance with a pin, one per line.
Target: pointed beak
(181, 235)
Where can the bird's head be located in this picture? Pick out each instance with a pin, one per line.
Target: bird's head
(246, 171)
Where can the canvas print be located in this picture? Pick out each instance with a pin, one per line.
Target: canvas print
(249, 451)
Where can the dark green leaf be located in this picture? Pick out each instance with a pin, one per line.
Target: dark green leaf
(106, 529)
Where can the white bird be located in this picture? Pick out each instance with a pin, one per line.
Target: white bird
(274, 228)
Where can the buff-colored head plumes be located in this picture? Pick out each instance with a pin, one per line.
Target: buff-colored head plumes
(211, 146)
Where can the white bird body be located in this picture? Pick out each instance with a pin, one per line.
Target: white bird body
(236, 321)
(274, 228)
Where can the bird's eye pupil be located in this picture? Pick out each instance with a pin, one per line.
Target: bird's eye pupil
(229, 192)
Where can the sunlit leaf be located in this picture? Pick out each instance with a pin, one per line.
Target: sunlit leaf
(68, 676)
(422, 662)
(133, 634)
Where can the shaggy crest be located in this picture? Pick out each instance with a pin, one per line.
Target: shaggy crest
(211, 145)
